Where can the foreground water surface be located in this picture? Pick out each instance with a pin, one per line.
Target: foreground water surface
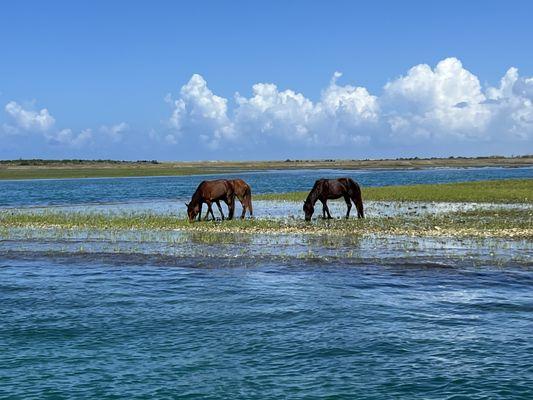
(142, 327)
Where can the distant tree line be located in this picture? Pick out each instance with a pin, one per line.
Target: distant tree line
(40, 162)
(288, 160)
(75, 161)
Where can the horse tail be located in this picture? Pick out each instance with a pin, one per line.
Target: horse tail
(356, 196)
(230, 193)
(248, 199)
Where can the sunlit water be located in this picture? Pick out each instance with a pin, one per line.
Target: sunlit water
(106, 190)
(184, 315)
(111, 327)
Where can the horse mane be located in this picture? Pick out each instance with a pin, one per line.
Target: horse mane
(315, 192)
(197, 197)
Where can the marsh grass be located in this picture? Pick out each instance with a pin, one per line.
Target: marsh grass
(511, 223)
(37, 169)
(106, 172)
(497, 191)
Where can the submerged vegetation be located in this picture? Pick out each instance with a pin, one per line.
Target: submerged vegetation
(481, 219)
(497, 191)
(505, 223)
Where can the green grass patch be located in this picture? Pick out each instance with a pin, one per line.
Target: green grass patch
(511, 223)
(95, 172)
(42, 169)
(497, 191)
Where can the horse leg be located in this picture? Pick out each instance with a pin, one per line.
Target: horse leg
(243, 205)
(231, 206)
(326, 208)
(348, 204)
(220, 209)
(323, 211)
(249, 205)
(200, 212)
(358, 201)
(209, 210)
(360, 210)
(327, 211)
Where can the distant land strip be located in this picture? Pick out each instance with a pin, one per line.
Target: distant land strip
(75, 168)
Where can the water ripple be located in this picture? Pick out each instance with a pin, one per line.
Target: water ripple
(291, 329)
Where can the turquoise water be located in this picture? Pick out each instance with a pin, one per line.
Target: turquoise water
(142, 315)
(111, 327)
(102, 190)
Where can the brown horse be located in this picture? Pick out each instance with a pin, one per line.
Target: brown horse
(243, 191)
(211, 192)
(325, 189)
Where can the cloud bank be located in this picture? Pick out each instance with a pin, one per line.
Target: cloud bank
(430, 106)
(41, 124)
(429, 110)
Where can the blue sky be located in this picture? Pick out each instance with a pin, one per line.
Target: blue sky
(265, 80)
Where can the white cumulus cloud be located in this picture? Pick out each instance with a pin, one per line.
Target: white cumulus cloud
(29, 120)
(66, 137)
(270, 112)
(344, 114)
(42, 124)
(115, 132)
(199, 110)
(430, 105)
(444, 101)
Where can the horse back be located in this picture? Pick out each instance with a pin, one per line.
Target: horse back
(354, 190)
(335, 188)
(215, 190)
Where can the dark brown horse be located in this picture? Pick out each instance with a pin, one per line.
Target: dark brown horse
(211, 192)
(243, 191)
(326, 189)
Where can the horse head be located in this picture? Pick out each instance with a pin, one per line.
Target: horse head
(192, 211)
(309, 209)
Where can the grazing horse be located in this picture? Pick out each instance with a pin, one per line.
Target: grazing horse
(325, 189)
(243, 191)
(211, 192)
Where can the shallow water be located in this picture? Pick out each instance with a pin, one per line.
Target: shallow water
(110, 326)
(151, 314)
(275, 209)
(184, 244)
(111, 190)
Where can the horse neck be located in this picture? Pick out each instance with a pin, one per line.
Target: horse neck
(312, 197)
(196, 198)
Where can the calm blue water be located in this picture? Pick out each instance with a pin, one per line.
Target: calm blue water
(80, 191)
(110, 328)
(395, 319)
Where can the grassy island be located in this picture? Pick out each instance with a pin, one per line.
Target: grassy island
(55, 169)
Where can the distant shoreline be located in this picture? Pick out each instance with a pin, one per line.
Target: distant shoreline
(57, 169)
